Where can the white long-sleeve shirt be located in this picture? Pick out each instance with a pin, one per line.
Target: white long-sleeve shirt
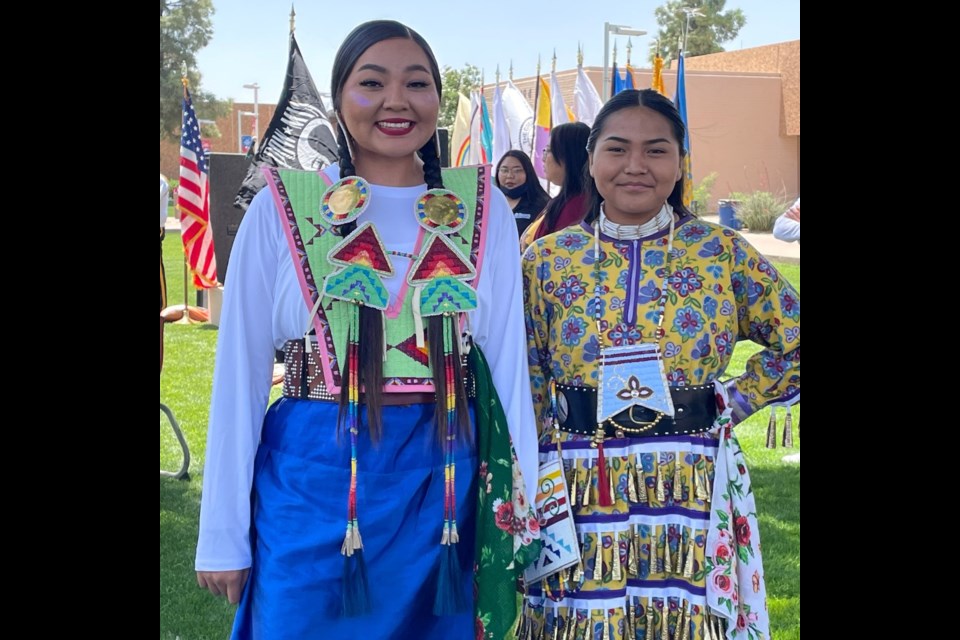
(785, 228)
(263, 307)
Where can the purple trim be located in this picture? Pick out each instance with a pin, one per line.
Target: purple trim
(605, 518)
(586, 444)
(612, 518)
(741, 407)
(669, 511)
(585, 595)
(786, 397)
(606, 594)
(633, 284)
(631, 359)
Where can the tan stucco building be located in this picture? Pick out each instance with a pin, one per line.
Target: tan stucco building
(744, 115)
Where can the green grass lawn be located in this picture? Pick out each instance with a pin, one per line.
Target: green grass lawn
(188, 613)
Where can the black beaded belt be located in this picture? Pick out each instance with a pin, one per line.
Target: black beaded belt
(303, 378)
(695, 410)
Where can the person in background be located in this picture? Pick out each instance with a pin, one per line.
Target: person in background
(565, 163)
(787, 226)
(164, 205)
(366, 274)
(632, 319)
(518, 181)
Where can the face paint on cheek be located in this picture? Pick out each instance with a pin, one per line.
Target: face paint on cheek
(359, 99)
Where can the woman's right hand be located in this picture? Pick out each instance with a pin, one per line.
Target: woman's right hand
(224, 583)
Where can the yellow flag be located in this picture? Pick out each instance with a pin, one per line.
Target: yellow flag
(657, 82)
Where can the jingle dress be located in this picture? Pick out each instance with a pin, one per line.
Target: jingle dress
(680, 537)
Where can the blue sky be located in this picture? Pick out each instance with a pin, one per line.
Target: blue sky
(250, 36)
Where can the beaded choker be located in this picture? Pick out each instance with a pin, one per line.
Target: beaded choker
(659, 222)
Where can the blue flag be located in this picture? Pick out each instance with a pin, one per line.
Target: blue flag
(618, 84)
(680, 100)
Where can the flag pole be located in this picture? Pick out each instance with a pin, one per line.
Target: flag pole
(536, 106)
(185, 318)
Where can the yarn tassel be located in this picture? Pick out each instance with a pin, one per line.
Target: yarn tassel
(603, 484)
(450, 598)
(356, 590)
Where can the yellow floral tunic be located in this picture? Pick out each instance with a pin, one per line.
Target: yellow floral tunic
(676, 556)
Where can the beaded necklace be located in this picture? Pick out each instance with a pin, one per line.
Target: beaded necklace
(629, 375)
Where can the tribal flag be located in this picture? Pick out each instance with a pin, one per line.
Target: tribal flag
(193, 200)
(617, 83)
(656, 82)
(300, 135)
(680, 99)
(541, 127)
(486, 131)
(628, 82)
(460, 135)
(501, 130)
(586, 98)
(519, 115)
(559, 112)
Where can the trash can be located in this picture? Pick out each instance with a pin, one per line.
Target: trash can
(728, 216)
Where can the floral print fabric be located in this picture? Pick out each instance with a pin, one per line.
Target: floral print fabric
(678, 551)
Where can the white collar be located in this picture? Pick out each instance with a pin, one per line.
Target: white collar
(655, 224)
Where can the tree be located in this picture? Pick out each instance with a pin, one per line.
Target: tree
(185, 28)
(455, 82)
(706, 32)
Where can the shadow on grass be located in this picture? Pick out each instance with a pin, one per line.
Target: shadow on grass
(777, 490)
(186, 611)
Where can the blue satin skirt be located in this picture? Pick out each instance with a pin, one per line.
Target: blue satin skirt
(301, 480)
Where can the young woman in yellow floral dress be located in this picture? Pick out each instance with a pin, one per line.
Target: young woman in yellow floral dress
(645, 302)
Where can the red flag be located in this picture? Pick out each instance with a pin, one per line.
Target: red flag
(193, 200)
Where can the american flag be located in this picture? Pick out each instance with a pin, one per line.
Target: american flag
(193, 200)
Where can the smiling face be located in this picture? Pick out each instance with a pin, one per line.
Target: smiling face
(389, 103)
(635, 164)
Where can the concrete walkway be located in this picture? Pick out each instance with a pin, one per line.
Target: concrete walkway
(765, 243)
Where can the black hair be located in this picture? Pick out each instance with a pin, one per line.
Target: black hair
(568, 146)
(535, 196)
(626, 100)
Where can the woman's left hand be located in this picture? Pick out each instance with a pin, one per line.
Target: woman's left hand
(224, 583)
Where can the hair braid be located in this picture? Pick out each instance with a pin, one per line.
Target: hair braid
(431, 164)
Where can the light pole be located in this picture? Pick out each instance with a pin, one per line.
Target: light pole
(691, 12)
(256, 108)
(617, 30)
(240, 115)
